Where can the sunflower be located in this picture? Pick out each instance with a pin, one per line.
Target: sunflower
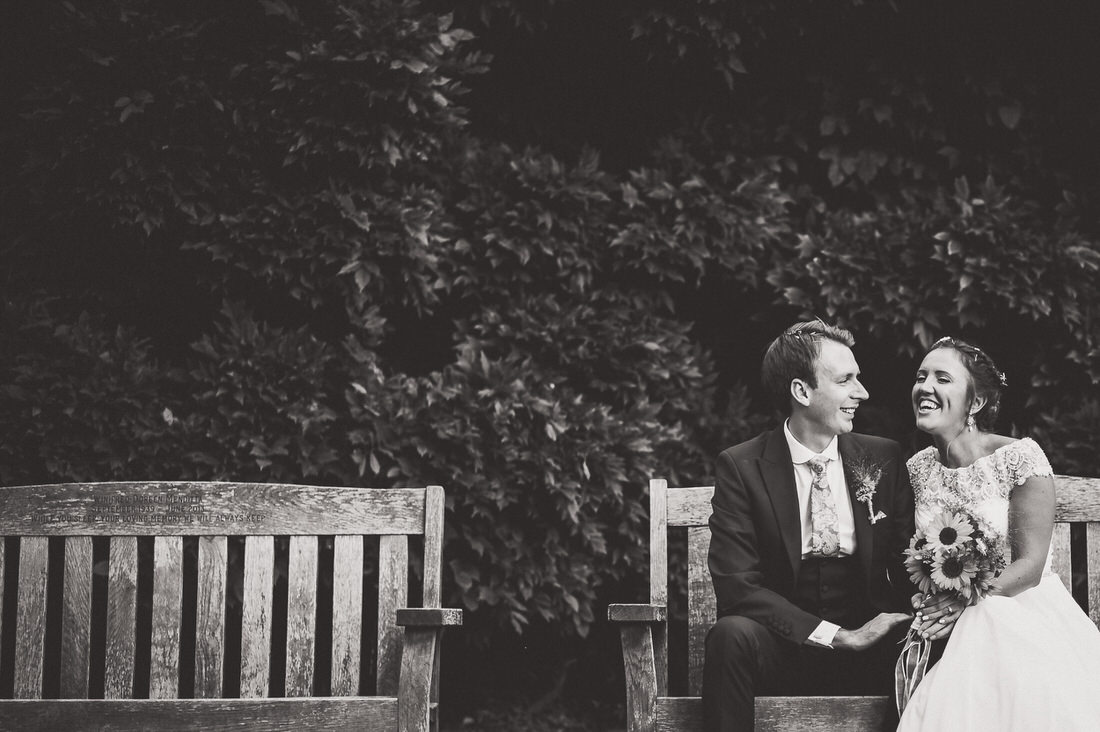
(918, 562)
(952, 570)
(948, 530)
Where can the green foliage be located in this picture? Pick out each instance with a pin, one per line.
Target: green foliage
(530, 253)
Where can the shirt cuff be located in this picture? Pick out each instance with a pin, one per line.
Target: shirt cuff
(823, 634)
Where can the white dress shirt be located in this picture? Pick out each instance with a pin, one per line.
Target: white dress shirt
(846, 531)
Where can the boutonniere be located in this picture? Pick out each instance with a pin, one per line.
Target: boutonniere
(865, 475)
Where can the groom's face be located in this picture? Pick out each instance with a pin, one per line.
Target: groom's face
(832, 404)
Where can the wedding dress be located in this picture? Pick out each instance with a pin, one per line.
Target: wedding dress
(1029, 662)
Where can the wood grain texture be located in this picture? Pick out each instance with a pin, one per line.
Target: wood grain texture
(1078, 500)
(205, 715)
(164, 640)
(701, 605)
(170, 511)
(121, 618)
(212, 509)
(689, 506)
(641, 676)
(789, 714)
(434, 505)
(30, 622)
(637, 613)
(256, 607)
(210, 616)
(347, 614)
(428, 617)
(658, 576)
(393, 594)
(76, 617)
(658, 542)
(417, 663)
(1060, 550)
(301, 615)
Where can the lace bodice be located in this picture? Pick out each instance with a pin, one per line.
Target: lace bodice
(981, 488)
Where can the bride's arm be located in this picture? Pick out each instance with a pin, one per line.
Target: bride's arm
(1030, 525)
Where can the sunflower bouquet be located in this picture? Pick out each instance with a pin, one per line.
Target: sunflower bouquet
(956, 555)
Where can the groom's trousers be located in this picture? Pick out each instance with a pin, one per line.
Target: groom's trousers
(744, 659)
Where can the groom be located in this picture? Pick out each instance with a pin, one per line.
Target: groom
(808, 526)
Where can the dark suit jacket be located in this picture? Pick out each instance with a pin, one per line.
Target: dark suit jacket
(756, 533)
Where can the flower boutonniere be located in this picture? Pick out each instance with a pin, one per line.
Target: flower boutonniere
(865, 475)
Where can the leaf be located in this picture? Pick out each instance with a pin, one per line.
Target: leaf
(1010, 115)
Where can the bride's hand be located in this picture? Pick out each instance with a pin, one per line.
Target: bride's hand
(936, 616)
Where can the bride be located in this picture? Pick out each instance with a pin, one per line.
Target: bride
(1025, 657)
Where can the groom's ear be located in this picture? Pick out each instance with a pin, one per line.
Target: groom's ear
(800, 392)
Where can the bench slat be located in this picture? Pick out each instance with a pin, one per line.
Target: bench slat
(393, 593)
(1092, 558)
(701, 604)
(207, 715)
(301, 616)
(164, 663)
(1060, 560)
(121, 618)
(210, 616)
(347, 613)
(76, 617)
(433, 546)
(1078, 498)
(256, 607)
(690, 506)
(158, 509)
(30, 622)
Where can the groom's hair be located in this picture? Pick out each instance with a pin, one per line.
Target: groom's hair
(792, 356)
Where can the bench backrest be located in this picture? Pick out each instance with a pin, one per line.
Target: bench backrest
(689, 509)
(306, 532)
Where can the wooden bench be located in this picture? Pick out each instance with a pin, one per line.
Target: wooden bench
(644, 628)
(135, 592)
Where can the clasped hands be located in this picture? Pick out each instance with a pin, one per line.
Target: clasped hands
(934, 619)
(937, 614)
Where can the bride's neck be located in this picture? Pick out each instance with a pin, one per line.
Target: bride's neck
(962, 449)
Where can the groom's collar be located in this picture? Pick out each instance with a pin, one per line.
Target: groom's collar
(800, 453)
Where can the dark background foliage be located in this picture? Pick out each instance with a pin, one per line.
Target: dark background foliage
(531, 252)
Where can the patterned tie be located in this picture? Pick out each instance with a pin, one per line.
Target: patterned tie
(823, 519)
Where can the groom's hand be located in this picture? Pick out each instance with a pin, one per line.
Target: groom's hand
(869, 633)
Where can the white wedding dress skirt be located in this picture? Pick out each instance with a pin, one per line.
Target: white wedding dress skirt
(1028, 663)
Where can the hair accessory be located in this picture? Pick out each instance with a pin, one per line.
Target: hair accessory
(1004, 379)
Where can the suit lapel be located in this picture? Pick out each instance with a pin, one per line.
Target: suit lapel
(850, 454)
(778, 474)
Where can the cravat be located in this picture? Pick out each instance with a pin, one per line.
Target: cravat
(823, 519)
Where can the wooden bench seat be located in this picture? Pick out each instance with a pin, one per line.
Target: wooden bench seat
(125, 590)
(644, 627)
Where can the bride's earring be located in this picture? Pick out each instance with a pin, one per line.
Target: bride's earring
(970, 422)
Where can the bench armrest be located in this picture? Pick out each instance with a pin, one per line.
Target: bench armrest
(419, 663)
(643, 629)
(641, 613)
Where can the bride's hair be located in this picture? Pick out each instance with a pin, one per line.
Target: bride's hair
(985, 379)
